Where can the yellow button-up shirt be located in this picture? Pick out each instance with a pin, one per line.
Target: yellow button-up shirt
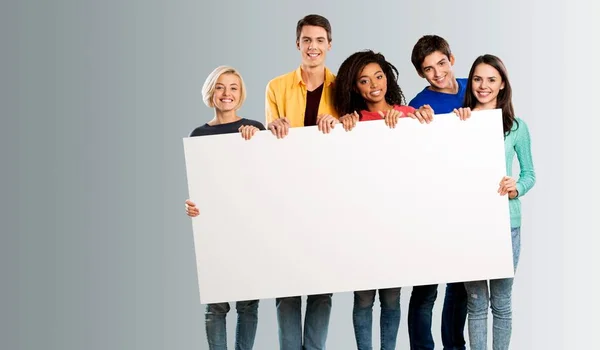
(286, 97)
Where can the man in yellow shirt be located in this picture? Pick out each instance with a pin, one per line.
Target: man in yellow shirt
(303, 97)
(300, 98)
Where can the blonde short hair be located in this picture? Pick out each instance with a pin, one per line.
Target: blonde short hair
(208, 89)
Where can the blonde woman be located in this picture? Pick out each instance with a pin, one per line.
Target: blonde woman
(225, 92)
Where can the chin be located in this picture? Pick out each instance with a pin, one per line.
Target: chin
(312, 63)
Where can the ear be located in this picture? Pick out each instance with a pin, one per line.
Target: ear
(452, 59)
(502, 86)
(298, 44)
(329, 46)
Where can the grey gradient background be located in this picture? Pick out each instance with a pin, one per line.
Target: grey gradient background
(96, 95)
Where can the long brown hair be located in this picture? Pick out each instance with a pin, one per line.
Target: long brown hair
(504, 99)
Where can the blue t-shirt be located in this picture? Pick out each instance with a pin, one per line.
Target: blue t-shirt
(441, 102)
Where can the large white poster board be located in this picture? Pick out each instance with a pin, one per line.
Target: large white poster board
(371, 208)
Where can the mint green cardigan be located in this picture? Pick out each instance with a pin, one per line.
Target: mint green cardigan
(518, 142)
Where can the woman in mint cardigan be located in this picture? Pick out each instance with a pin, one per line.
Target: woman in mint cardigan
(488, 87)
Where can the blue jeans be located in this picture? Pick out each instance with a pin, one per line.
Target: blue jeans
(316, 322)
(454, 316)
(499, 294)
(362, 318)
(247, 320)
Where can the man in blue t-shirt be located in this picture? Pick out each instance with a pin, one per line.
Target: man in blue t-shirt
(433, 61)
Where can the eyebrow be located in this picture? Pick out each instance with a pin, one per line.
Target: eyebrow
(308, 37)
(224, 84)
(477, 76)
(438, 62)
(364, 76)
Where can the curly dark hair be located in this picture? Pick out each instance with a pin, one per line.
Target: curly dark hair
(346, 99)
(504, 99)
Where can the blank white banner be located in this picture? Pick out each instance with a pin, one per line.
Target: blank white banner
(367, 209)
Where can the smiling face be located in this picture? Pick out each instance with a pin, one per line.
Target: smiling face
(227, 93)
(313, 46)
(437, 70)
(486, 85)
(371, 83)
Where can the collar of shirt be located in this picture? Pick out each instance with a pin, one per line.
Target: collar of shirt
(329, 77)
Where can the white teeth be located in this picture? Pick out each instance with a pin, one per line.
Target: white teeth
(226, 100)
(313, 54)
(376, 93)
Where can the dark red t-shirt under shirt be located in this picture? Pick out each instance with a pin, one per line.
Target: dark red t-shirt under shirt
(313, 99)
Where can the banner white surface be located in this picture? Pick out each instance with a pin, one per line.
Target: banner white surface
(367, 209)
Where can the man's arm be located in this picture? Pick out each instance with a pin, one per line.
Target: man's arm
(271, 110)
(279, 125)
